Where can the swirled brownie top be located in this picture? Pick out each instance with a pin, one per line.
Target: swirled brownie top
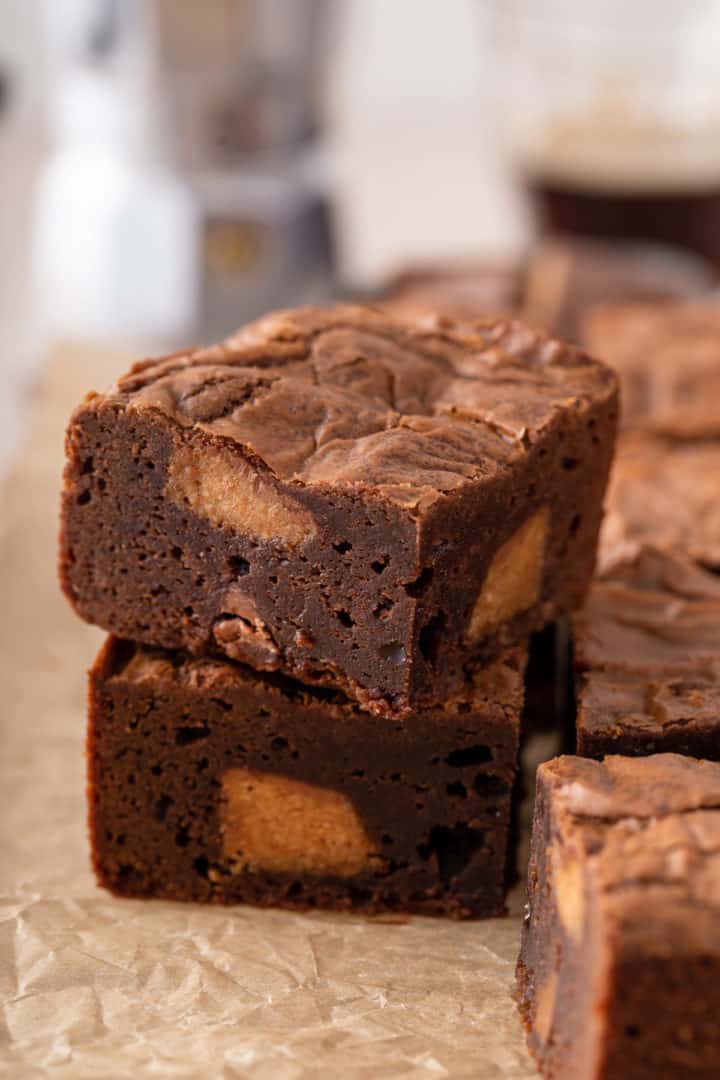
(651, 825)
(668, 360)
(348, 396)
(651, 611)
(641, 788)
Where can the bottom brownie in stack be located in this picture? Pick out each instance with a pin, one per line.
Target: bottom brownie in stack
(209, 781)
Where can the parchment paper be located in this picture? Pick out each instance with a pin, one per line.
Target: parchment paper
(98, 987)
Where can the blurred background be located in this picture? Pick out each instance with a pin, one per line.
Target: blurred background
(171, 169)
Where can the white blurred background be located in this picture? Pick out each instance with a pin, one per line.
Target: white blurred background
(170, 169)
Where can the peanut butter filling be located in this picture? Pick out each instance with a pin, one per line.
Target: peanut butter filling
(274, 823)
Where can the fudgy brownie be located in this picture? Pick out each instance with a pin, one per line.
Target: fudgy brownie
(210, 781)
(652, 612)
(634, 713)
(566, 277)
(668, 360)
(665, 492)
(462, 290)
(353, 501)
(619, 970)
(647, 648)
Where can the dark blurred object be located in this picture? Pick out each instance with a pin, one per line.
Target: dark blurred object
(186, 192)
(241, 78)
(469, 290)
(241, 75)
(567, 277)
(668, 360)
(688, 218)
(548, 682)
(266, 243)
(610, 116)
(5, 91)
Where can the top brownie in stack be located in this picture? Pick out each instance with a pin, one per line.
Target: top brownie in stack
(351, 500)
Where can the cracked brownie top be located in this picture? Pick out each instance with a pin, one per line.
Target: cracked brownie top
(348, 396)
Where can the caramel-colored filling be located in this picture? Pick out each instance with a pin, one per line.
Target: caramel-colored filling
(569, 895)
(272, 822)
(225, 489)
(514, 579)
(545, 1007)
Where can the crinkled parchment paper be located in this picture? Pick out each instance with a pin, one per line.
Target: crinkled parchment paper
(97, 987)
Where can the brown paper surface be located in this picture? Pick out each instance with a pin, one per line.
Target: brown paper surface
(98, 987)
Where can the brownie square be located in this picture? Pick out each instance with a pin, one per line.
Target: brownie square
(352, 501)
(462, 290)
(652, 612)
(668, 360)
(621, 713)
(666, 492)
(619, 970)
(566, 278)
(647, 649)
(210, 781)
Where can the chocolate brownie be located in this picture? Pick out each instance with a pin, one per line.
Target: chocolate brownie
(619, 970)
(652, 612)
(565, 278)
(462, 290)
(634, 713)
(668, 360)
(350, 500)
(210, 781)
(665, 492)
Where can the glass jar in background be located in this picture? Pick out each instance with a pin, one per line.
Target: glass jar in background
(611, 114)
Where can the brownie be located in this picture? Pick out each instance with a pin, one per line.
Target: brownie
(619, 970)
(668, 360)
(462, 290)
(666, 492)
(634, 713)
(211, 781)
(566, 277)
(653, 612)
(352, 501)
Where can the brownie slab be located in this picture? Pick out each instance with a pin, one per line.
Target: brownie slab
(352, 501)
(462, 290)
(666, 492)
(210, 781)
(647, 649)
(651, 611)
(567, 278)
(668, 360)
(619, 970)
(635, 713)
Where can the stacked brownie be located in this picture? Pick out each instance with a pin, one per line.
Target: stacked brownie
(321, 546)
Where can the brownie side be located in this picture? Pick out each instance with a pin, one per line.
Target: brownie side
(208, 781)
(354, 502)
(631, 714)
(665, 492)
(623, 914)
(668, 360)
